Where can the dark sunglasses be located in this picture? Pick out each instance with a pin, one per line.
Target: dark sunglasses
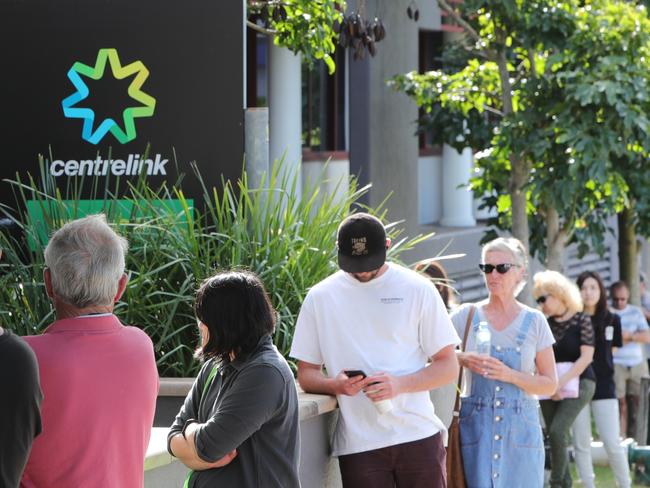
(502, 268)
(541, 299)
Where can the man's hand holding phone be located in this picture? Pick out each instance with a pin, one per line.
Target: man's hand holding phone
(350, 382)
(382, 386)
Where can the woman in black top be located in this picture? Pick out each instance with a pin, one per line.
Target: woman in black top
(574, 335)
(239, 424)
(604, 405)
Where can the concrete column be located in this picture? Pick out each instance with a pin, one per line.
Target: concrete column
(429, 186)
(457, 203)
(285, 109)
(256, 145)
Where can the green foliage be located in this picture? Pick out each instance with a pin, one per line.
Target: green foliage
(604, 75)
(573, 119)
(305, 26)
(461, 106)
(285, 236)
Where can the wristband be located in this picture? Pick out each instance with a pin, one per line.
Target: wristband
(186, 425)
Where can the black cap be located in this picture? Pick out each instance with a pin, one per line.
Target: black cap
(361, 243)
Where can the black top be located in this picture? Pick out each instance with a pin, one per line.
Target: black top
(251, 405)
(20, 401)
(569, 336)
(608, 334)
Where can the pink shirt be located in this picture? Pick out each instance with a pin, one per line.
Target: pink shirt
(99, 382)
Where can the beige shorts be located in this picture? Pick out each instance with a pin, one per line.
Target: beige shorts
(628, 378)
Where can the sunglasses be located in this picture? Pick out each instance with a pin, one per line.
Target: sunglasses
(502, 268)
(541, 299)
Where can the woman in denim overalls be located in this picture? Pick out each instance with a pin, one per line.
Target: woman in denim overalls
(500, 431)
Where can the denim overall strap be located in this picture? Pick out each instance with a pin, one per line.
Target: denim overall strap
(206, 386)
(523, 329)
(475, 321)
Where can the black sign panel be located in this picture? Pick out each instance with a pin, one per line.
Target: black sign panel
(89, 83)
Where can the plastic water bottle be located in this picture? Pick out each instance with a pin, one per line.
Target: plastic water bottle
(483, 338)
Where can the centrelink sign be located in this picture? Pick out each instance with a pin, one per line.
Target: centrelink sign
(94, 131)
(122, 89)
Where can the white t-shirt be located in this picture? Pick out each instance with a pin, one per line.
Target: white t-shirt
(394, 324)
(539, 336)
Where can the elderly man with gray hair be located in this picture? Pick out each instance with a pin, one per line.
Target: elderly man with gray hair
(98, 376)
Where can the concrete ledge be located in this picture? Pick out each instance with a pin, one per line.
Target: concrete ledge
(157, 454)
(314, 405)
(177, 387)
(310, 406)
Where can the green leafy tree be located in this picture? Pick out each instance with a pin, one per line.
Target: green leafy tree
(506, 44)
(303, 26)
(512, 100)
(604, 73)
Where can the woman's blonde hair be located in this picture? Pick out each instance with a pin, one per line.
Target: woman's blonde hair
(556, 284)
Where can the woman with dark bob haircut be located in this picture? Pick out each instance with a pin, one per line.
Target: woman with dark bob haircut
(604, 404)
(239, 424)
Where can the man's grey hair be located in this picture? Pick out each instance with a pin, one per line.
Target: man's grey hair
(86, 261)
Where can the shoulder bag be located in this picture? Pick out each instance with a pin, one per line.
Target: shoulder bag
(455, 471)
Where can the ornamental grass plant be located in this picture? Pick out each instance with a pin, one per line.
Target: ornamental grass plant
(285, 235)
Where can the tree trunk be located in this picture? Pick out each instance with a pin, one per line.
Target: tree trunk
(518, 178)
(519, 167)
(519, 170)
(627, 253)
(556, 238)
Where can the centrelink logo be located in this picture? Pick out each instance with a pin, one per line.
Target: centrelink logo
(88, 115)
(131, 165)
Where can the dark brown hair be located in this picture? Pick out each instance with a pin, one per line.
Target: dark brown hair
(434, 270)
(237, 311)
(601, 306)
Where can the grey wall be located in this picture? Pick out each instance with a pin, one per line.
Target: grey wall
(393, 145)
(383, 145)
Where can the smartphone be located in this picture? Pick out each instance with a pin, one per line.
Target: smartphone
(354, 372)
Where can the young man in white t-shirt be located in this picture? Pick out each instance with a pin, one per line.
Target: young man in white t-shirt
(388, 328)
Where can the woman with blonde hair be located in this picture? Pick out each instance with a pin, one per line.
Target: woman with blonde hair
(500, 432)
(561, 302)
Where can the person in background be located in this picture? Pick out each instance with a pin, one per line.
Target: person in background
(500, 431)
(380, 329)
(20, 401)
(604, 405)
(645, 308)
(629, 362)
(645, 296)
(99, 377)
(433, 270)
(574, 345)
(239, 424)
(443, 397)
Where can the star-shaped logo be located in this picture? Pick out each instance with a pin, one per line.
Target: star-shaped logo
(96, 73)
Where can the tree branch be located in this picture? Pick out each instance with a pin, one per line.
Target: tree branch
(493, 110)
(459, 20)
(260, 29)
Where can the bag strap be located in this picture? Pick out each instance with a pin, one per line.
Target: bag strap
(206, 386)
(470, 316)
